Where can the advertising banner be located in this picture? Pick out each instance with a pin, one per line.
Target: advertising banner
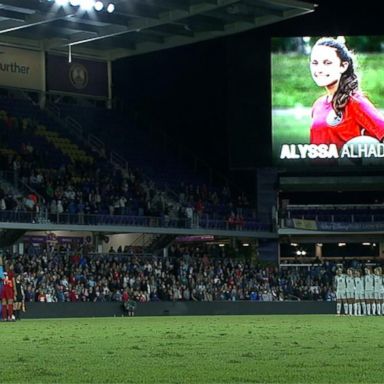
(81, 76)
(304, 224)
(333, 226)
(21, 68)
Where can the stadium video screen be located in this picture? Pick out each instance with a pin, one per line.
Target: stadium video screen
(328, 100)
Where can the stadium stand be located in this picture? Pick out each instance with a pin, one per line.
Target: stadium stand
(71, 161)
(80, 180)
(187, 274)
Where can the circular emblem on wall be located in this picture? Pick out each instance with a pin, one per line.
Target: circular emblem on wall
(333, 119)
(78, 76)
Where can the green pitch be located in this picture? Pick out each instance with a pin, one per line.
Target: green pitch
(221, 349)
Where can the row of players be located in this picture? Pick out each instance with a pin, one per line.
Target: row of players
(360, 295)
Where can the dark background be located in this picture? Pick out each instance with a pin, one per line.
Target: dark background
(214, 96)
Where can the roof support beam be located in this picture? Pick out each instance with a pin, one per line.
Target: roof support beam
(164, 18)
(137, 26)
(294, 3)
(12, 15)
(38, 19)
(174, 4)
(36, 4)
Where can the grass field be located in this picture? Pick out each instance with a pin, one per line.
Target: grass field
(219, 349)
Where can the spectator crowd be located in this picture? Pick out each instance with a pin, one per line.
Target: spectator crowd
(187, 273)
(65, 186)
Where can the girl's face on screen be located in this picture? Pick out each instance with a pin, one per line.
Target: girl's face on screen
(326, 67)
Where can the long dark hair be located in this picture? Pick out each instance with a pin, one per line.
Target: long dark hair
(349, 82)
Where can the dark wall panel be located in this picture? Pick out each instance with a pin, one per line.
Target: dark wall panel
(67, 310)
(248, 101)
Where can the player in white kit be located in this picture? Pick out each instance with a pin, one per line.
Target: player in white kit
(340, 291)
(359, 293)
(382, 292)
(350, 290)
(377, 291)
(368, 289)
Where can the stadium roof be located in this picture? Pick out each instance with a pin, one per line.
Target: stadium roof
(136, 26)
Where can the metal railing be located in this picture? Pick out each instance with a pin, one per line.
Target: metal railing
(124, 220)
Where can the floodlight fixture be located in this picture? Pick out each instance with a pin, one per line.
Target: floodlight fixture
(61, 3)
(110, 7)
(99, 5)
(87, 5)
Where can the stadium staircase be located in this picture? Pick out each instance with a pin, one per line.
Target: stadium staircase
(144, 240)
(160, 242)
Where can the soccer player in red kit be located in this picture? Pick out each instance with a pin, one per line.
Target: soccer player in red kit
(344, 112)
(7, 296)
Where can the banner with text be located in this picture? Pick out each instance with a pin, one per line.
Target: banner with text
(334, 226)
(81, 76)
(21, 68)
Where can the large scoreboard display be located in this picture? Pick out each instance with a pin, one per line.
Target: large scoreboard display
(328, 101)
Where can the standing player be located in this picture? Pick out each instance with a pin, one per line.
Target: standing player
(19, 298)
(377, 289)
(7, 296)
(382, 292)
(350, 290)
(359, 294)
(368, 289)
(1, 277)
(340, 292)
